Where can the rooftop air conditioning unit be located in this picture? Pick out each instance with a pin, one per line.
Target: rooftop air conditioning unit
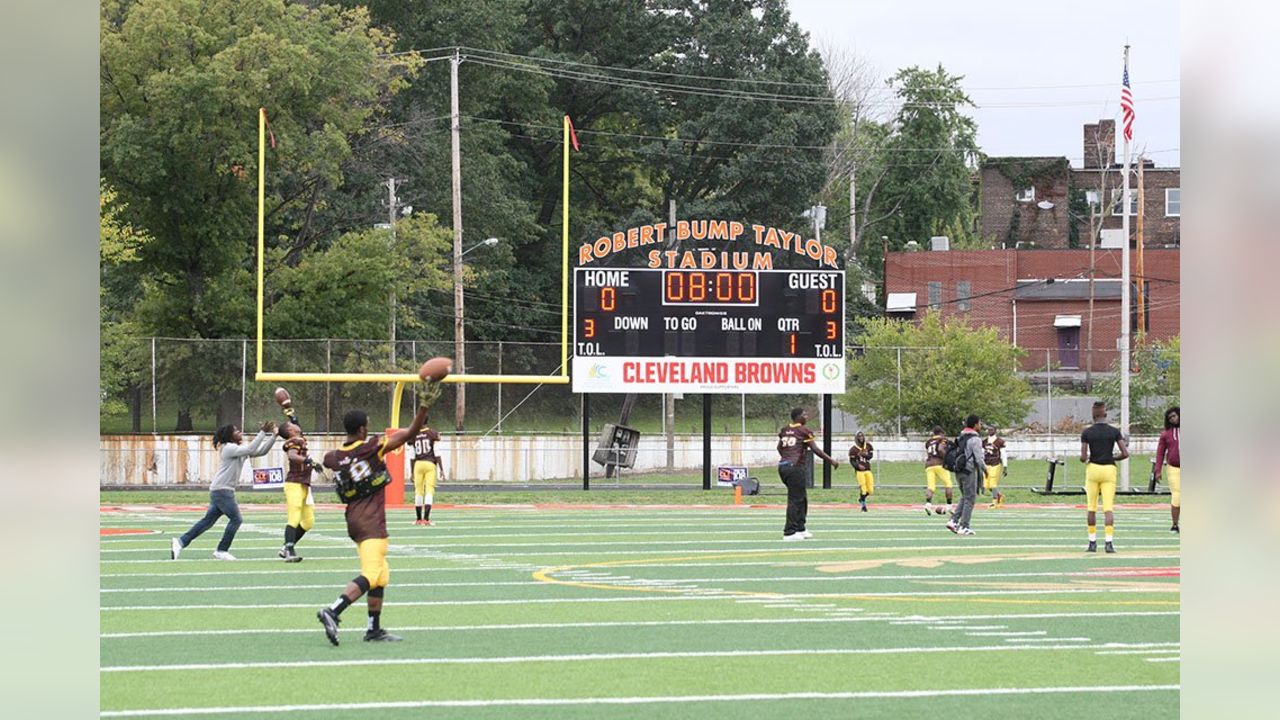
(939, 242)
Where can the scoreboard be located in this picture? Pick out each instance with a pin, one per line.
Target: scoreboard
(642, 330)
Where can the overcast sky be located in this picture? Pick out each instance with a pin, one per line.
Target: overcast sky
(998, 45)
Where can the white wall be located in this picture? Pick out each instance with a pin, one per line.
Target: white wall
(191, 459)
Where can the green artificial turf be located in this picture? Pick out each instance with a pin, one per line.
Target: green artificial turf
(590, 612)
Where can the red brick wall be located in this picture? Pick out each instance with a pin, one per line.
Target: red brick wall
(1046, 228)
(1158, 230)
(993, 274)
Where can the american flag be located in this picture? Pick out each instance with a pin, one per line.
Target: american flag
(1126, 106)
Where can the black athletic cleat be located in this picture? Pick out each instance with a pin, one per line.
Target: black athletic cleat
(291, 555)
(1175, 529)
(330, 622)
(1111, 549)
(1093, 546)
(380, 635)
(284, 552)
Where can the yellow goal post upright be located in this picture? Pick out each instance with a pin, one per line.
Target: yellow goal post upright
(399, 379)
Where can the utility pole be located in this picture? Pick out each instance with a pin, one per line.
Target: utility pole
(853, 213)
(1138, 282)
(1094, 229)
(459, 336)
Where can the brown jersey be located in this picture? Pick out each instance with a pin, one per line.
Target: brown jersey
(860, 456)
(793, 444)
(366, 517)
(424, 446)
(935, 448)
(991, 450)
(299, 472)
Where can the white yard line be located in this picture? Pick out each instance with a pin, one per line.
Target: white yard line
(598, 657)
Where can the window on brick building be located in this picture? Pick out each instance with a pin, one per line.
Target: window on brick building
(963, 292)
(1173, 202)
(1091, 198)
(1117, 198)
(1027, 194)
(935, 294)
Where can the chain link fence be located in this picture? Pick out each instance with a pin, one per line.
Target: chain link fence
(193, 386)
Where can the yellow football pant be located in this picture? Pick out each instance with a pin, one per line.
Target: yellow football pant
(301, 515)
(1175, 485)
(992, 479)
(934, 475)
(373, 561)
(866, 481)
(424, 480)
(1100, 479)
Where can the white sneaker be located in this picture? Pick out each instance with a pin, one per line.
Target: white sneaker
(220, 555)
(806, 534)
(928, 508)
(175, 548)
(965, 531)
(951, 525)
(793, 537)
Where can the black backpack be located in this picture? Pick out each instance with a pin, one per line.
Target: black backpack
(956, 460)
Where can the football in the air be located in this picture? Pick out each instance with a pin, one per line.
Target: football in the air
(437, 368)
(282, 397)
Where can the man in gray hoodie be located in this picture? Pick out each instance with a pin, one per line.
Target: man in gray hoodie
(222, 491)
(968, 479)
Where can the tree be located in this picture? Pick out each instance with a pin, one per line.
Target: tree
(1154, 385)
(181, 84)
(933, 151)
(121, 351)
(949, 370)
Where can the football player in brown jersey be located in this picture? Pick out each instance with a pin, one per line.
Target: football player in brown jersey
(426, 472)
(993, 458)
(359, 462)
(301, 506)
(860, 453)
(794, 441)
(935, 448)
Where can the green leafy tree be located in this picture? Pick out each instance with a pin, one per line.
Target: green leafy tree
(1154, 385)
(949, 370)
(932, 152)
(121, 350)
(181, 84)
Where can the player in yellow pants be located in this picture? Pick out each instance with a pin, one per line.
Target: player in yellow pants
(935, 448)
(860, 459)
(297, 484)
(1096, 449)
(426, 471)
(993, 458)
(1168, 453)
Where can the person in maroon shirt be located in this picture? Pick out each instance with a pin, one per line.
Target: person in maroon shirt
(1167, 453)
(794, 441)
(358, 464)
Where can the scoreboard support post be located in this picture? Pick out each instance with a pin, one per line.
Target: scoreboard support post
(706, 441)
(826, 440)
(586, 441)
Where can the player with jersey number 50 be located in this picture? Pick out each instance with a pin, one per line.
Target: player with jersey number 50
(794, 441)
(360, 475)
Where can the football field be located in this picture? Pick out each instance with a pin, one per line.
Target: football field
(643, 612)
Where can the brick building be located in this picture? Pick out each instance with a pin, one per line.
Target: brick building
(1037, 299)
(1043, 202)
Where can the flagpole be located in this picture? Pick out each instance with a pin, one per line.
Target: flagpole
(1124, 300)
